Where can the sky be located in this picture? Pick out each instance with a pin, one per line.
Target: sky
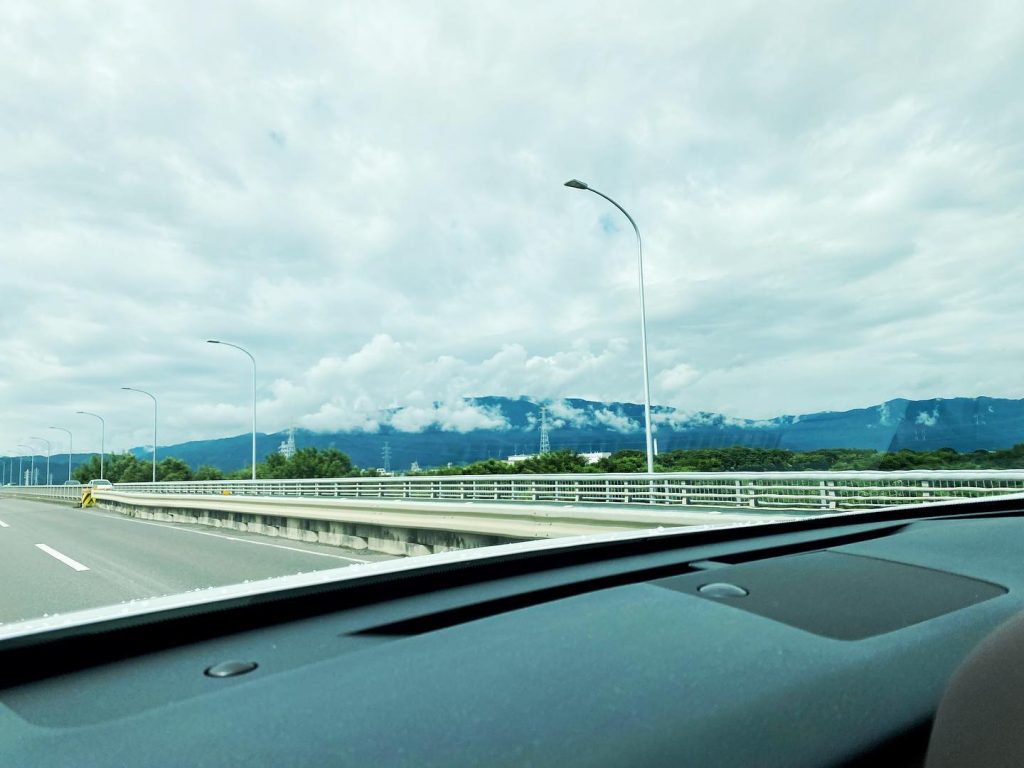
(368, 196)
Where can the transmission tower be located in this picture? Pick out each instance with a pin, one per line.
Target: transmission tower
(545, 441)
(385, 452)
(287, 447)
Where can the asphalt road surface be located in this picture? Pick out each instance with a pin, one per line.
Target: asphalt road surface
(56, 558)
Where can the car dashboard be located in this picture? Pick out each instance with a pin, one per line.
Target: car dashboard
(820, 642)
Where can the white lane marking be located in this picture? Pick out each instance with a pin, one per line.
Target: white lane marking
(229, 538)
(63, 558)
(3, 524)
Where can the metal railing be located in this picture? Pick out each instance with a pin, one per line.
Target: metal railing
(59, 492)
(821, 491)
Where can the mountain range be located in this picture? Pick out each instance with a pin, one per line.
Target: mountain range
(495, 427)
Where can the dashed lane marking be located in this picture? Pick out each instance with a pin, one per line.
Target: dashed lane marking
(63, 558)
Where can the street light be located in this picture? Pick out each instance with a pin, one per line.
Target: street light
(575, 184)
(32, 470)
(103, 433)
(253, 359)
(43, 439)
(71, 442)
(149, 394)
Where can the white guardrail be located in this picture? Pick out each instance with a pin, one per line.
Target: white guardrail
(822, 491)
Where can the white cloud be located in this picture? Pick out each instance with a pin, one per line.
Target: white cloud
(450, 417)
(562, 413)
(369, 199)
(335, 416)
(676, 379)
(616, 420)
(885, 415)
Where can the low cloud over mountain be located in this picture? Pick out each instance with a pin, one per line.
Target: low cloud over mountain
(495, 427)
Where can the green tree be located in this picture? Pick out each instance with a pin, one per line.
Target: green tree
(555, 461)
(305, 462)
(624, 461)
(488, 467)
(274, 467)
(172, 469)
(311, 462)
(128, 469)
(245, 473)
(898, 461)
(208, 472)
(87, 470)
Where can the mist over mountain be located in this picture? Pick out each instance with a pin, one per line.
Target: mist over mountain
(495, 427)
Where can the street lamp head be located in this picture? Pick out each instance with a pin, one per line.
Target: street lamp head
(212, 341)
(576, 184)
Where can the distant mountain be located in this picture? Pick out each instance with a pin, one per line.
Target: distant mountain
(494, 427)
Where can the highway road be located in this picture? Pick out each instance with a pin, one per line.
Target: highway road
(55, 558)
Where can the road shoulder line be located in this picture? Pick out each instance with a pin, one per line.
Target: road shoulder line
(223, 536)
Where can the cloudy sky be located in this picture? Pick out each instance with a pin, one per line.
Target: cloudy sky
(369, 197)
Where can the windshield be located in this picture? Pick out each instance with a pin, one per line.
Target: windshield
(318, 288)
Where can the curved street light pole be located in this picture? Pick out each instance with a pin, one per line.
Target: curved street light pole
(574, 184)
(43, 439)
(71, 444)
(151, 395)
(253, 359)
(103, 433)
(32, 469)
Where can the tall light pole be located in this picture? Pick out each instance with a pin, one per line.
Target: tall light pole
(21, 467)
(643, 318)
(151, 395)
(43, 439)
(71, 443)
(32, 469)
(103, 433)
(253, 360)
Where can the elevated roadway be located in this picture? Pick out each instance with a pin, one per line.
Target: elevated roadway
(55, 558)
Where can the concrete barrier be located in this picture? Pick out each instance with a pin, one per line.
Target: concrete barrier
(402, 527)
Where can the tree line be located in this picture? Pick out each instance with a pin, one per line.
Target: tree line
(330, 462)
(743, 459)
(305, 462)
